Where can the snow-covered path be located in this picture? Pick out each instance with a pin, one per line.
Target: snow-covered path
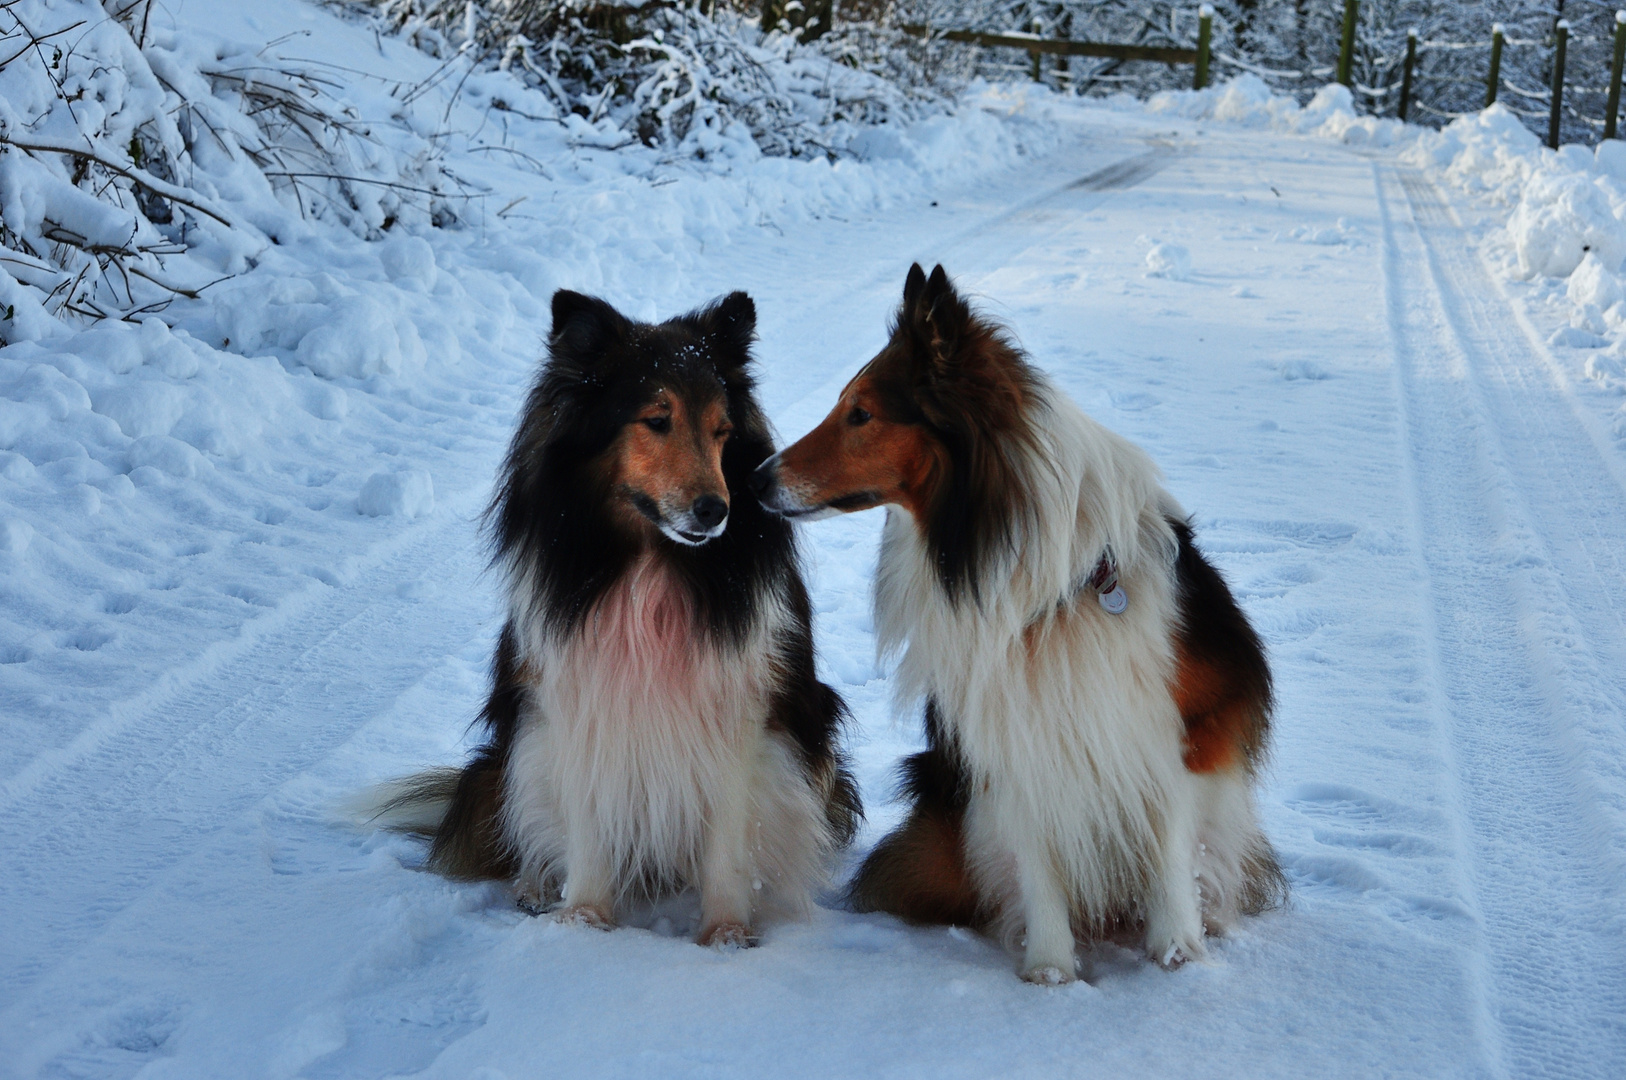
(1521, 512)
(1378, 453)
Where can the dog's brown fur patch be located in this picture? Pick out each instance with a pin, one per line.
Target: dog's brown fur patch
(670, 454)
(1222, 682)
(919, 873)
(864, 455)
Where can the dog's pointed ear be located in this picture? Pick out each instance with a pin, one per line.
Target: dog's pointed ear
(730, 325)
(913, 286)
(583, 328)
(940, 319)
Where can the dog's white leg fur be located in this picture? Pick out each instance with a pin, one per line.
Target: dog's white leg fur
(1174, 923)
(590, 881)
(791, 846)
(725, 871)
(1230, 836)
(1048, 954)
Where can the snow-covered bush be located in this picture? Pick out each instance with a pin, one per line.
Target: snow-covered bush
(132, 162)
(695, 78)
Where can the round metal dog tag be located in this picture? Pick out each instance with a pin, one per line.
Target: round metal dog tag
(1115, 601)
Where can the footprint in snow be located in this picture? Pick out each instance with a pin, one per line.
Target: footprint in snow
(121, 1045)
(1134, 402)
(1302, 370)
(87, 639)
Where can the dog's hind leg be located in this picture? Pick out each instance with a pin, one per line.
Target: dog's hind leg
(918, 872)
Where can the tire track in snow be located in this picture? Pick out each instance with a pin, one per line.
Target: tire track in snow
(86, 841)
(1524, 553)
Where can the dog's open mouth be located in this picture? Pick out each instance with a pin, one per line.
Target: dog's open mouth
(685, 537)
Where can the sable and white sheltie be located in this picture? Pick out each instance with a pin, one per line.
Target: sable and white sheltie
(1097, 706)
(654, 720)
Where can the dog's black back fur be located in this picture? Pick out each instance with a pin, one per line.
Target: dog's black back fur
(551, 517)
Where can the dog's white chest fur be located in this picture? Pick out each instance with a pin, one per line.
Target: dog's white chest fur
(642, 738)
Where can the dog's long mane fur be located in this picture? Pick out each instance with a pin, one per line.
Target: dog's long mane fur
(978, 413)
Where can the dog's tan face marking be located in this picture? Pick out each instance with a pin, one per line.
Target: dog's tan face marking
(666, 468)
(858, 457)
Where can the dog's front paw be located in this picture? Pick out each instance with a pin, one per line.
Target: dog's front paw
(589, 915)
(1175, 954)
(729, 936)
(1047, 975)
(529, 899)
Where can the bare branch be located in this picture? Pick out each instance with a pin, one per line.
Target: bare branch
(140, 176)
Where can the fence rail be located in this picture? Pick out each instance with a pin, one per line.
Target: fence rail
(1060, 46)
(1037, 46)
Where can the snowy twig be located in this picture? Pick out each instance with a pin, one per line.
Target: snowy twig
(130, 172)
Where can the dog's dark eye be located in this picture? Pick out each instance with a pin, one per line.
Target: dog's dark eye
(660, 425)
(723, 433)
(858, 416)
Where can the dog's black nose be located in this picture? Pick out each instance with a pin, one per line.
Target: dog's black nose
(708, 511)
(761, 479)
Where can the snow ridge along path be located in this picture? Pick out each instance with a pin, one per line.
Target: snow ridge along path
(1523, 525)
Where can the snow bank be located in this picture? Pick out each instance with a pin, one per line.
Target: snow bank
(1248, 101)
(1565, 232)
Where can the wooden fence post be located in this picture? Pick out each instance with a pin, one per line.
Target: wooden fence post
(1037, 27)
(1405, 78)
(820, 13)
(1614, 75)
(1205, 35)
(1493, 81)
(1346, 50)
(1562, 31)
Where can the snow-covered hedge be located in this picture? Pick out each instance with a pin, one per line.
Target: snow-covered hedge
(135, 165)
(1566, 226)
(690, 77)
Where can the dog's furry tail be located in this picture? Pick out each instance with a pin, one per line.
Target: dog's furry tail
(413, 804)
(457, 810)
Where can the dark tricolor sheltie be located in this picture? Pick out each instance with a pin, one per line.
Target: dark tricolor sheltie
(654, 721)
(1097, 706)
